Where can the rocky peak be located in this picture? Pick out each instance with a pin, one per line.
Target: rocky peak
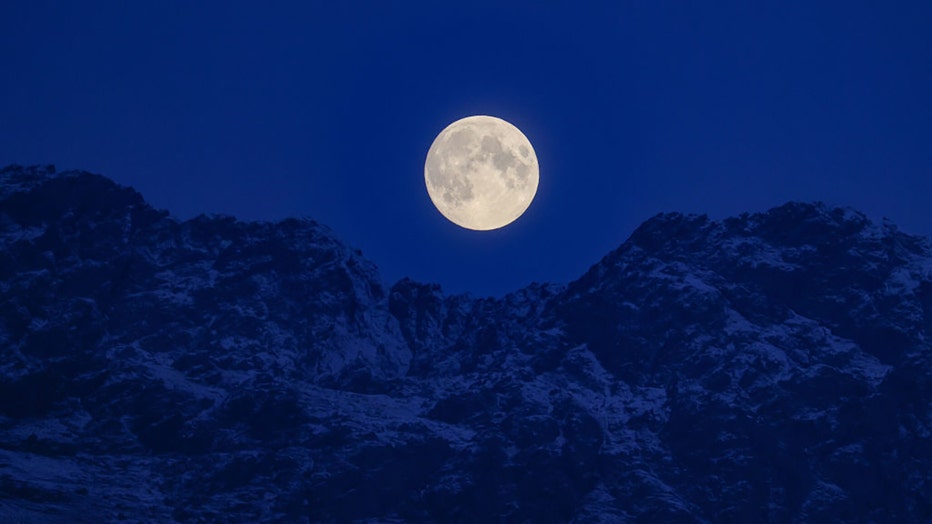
(34, 195)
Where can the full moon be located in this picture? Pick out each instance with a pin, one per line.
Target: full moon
(481, 173)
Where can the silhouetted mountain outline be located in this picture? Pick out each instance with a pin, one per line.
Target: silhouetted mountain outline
(770, 367)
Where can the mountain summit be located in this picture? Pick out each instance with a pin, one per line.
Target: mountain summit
(771, 367)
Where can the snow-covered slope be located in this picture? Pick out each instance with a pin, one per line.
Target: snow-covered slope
(772, 367)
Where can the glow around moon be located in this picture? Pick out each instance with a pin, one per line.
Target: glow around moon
(481, 173)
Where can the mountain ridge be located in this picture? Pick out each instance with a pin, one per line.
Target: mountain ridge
(767, 367)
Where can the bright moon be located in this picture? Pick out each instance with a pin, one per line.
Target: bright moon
(481, 173)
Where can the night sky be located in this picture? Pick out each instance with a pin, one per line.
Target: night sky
(327, 112)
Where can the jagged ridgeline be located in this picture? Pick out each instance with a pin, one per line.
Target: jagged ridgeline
(772, 367)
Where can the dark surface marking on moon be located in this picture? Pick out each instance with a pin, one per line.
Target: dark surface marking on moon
(454, 188)
(501, 159)
(457, 190)
(462, 143)
(521, 172)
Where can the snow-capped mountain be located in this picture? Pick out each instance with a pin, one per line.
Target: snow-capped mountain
(772, 367)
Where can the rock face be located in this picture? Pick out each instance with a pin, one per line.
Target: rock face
(773, 367)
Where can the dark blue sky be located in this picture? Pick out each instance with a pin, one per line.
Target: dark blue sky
(328, 111)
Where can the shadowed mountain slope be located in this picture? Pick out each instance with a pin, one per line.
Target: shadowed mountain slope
(771, 367)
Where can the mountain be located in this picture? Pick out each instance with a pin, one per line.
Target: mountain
(771, 367)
